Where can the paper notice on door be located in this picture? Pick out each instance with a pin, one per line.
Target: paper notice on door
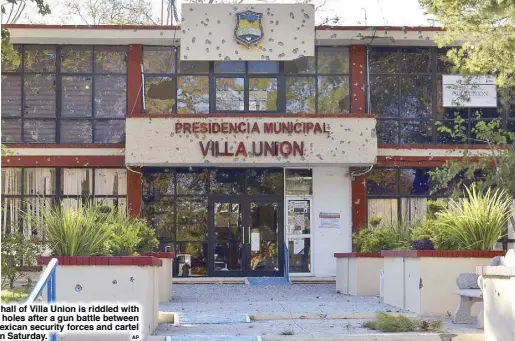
(329, 220)
(254, 242)
(299, 222)
(298, 245)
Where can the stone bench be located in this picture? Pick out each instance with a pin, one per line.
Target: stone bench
(469, 285)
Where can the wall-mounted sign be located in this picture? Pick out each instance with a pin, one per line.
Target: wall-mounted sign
(476, 92)
(226, 31)
(249, 30)
(251, 141)
(329, 220)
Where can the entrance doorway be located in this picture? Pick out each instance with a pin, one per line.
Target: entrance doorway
(246, 235)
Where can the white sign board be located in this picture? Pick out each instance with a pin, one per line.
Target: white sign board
(329, 220)
(476, 92)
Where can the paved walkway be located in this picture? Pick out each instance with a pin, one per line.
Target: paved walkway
(306, 299)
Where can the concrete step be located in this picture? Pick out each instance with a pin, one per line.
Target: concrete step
(355, 337)
(241, 280)
(194, 319)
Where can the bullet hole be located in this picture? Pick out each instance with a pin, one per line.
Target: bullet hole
(272, 30)
(187, 48)
(280, 43)
(295, 50)
(115, 282)
(267, 58)
(277, 22)
(218, 22)
(210, 33)
(271, 40)
(294, 38)
(236, 52)
(227, 58)
(183, 31)
(208, 41)
(78, 288)
(303, 21)
(219, 55)
(218, 47)
(193, 40)
(271, 21)
(306, 15)
(269, 50)
(333, 35)
(131, 279)
(207, 49)
(223, 41)
(191, 9)
(292, 15)
(281, 55)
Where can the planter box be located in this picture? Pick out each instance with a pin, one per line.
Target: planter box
(357, 273)
(424, 282)
(109, 279)
(498, 287)
(164, 274)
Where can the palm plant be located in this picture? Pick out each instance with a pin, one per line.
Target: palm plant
(477, 221)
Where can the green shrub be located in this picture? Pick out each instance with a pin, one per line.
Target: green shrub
(431, 230)
(393, 236)
(477, 221)
(16, 248)
(15, 295)
(401, 324)
(148, 242)
(434, 207)
(74, 232)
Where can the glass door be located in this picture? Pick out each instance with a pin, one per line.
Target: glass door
(298, 234)
(227, 237)
(266, 250)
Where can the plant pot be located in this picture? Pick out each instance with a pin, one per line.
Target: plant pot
(357, 273)
(424, 282)
(109, 279)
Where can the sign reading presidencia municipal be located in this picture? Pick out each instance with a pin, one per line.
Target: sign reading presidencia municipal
(251, 141)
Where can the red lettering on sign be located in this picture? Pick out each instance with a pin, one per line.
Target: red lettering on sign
(178, 127)
(241, 150)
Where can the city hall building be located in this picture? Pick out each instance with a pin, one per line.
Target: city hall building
(245, 130)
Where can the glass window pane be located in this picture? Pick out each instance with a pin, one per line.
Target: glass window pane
(160, 214)
(40, 96)
(333, 60)
(76, 131)
(300, 255)
(443, 66)
(191, 220)
(486, 112)
(9, 64)
(191, 259)
(109, 131)
(413, 209)
(333, 94)
(414, 181)
(383, 59)
(264, 67)
(387, 132)
(11, 96)
(386, 209)
(300, 65)
(110, 96)
(265, 181)
(191, 182)
(40, 58)
(193, 94)
(77, 59)
(415, 60)
(230, 67)
(77, 96)
(39, 181)
(230, 94)
(158, 59)
(110, 181)
(300, 95)
(227, 181)
(263, 94)
(299, 217)
(445, 138)
(416, 132)
(77, 181)
(159, 95)
(193, 67)
(416, 97)
(382, 181)
(110, 59)
(11, 130)
(35, 208)
(384, 95)
(42, 131)
(11, 214)
(11, 180)
(299, 182)
(156, 185)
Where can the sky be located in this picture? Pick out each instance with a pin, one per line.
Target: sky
(351, 12)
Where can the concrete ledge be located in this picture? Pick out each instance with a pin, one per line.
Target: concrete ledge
(334, 316)
(241, 280)
(380, 337)
(166, 317)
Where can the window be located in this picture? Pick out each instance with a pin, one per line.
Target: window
(33, 190)
(65, 94)
(394, 194)
(317, 84)
(406, 94)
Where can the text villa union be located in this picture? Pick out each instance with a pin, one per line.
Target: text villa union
(252, 148)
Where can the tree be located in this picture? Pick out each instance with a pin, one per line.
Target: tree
(112, 12)
(486, 27)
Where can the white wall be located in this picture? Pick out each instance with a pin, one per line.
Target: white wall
(332, 193)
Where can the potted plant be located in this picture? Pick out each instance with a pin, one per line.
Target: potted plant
(457, 239)
(88, 242)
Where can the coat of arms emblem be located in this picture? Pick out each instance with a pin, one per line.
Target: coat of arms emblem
(249, 30)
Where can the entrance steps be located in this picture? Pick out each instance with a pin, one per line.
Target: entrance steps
(267, 281)
(241, 280)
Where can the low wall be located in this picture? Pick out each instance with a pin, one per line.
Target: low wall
(424, 282)
(164, 274)
(357, 273)
(109, 279)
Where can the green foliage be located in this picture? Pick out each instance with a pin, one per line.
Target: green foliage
(375, 221)
(14, 295)
(486, 27)
(15, 250)
(148, 240)
(393, 236)
(435, 206)
(431, 230)
(74, 232)
(401, 324)
(477, 221)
